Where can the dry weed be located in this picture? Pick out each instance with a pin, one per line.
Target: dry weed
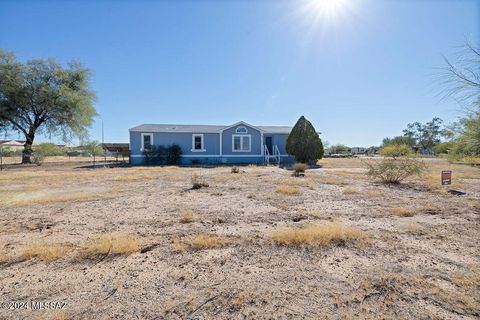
(186, 216)
(45, 252)
(402, 212)
(204, 241)
(110, 244)
(288, 190)
(320, 235)
(350, 190)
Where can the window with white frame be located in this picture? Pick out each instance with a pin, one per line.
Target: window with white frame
(147, 141)
(241, 130)
(197, 143)
(241, 143)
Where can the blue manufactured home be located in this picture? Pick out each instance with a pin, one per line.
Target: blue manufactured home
(240, 143)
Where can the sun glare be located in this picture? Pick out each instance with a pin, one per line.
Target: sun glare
(327, 8)
(325, 15)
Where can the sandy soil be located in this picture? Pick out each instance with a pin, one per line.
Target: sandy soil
(426, 266)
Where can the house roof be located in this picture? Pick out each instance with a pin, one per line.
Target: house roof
(12, 142)
(182, 128)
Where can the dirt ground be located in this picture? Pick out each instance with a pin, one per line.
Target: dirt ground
(136, 243)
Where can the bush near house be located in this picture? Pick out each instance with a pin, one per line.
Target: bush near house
(304, 143)
(161, 155)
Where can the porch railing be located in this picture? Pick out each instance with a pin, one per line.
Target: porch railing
(269, 157)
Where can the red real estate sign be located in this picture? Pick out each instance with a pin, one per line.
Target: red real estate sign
(446, 177)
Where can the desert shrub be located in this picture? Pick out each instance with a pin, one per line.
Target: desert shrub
(396, 150)
(198, 181)
(288, 190)
(37, 158)
(186, 216)
(320, 235)
(174, 154)
(49, 149)
(110, 244)
(444, 147)
(161, 155)
(409, 141)
(300, 167)
(304, 142)
(45, 252)
(394, 170)
(402, 212)
(9, 152)
(235, 170)
(350, 190)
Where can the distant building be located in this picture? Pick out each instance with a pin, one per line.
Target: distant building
(358, 150)
(13, 145)
(116, 149)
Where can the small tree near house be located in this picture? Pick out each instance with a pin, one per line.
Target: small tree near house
(304, 143)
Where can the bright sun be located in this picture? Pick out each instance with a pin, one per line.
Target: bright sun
(327, 8)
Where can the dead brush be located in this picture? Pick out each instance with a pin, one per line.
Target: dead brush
(45, 252)
(198, 182)
(186, 216)
(350, 190)
(203, 241)
(109, 244)
(288, 190)
(333, 181)
(318, 235)
(402, 212)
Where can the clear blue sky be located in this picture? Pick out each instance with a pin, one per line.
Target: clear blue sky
(359, 72)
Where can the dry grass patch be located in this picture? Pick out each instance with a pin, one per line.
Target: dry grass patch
(350, 190)
(288, 190)
(50, 196)
(10, 229)
(300, 182)
(133, 177)
(45, 252)
(373, 193)
(319, 235)
(468, 280)
(226, 178)
(333, 181)
(186, 216)
(204, 241)
(402, 212)
(110, 244)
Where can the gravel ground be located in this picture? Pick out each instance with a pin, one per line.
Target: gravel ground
(425, 266)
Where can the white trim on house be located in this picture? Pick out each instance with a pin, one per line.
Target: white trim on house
(245, 130)
(142, 147)
(262, 143)
(220, 136)
(202, 142)
(241, 136)
(240, 123)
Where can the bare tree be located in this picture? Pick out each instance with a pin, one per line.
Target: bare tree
(460, 78)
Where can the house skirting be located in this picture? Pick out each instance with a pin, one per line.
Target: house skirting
(213, 159)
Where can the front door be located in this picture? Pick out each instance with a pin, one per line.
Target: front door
(269, 144)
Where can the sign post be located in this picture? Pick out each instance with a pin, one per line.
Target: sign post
(446, 177)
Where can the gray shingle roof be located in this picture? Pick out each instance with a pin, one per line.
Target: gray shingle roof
(182, 128)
